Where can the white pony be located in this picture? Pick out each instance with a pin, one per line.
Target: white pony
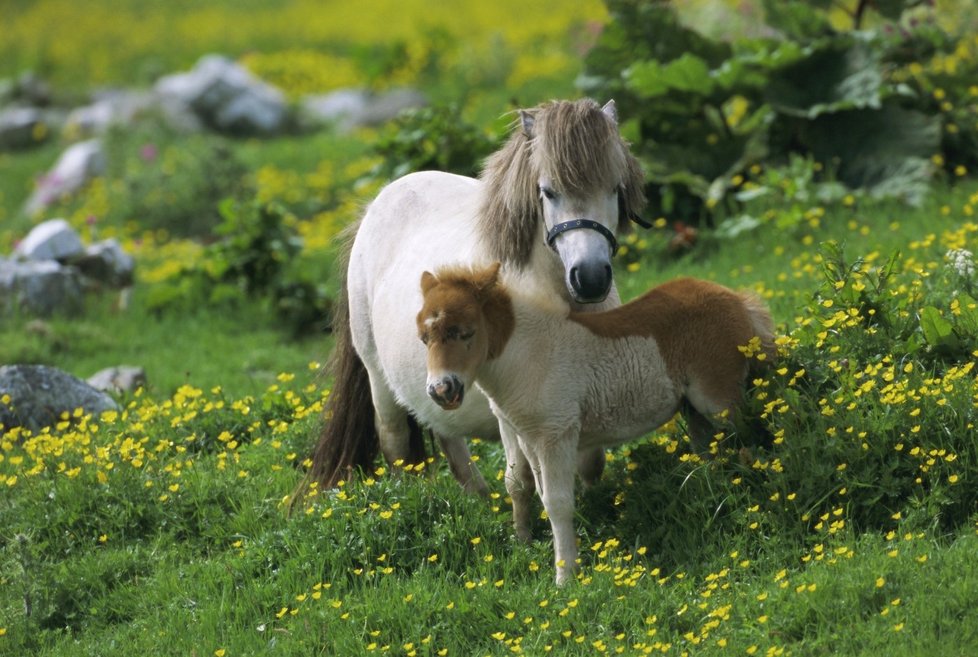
(547, 205)
(560, 381)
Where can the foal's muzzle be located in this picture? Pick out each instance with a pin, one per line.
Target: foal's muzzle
(448, 392)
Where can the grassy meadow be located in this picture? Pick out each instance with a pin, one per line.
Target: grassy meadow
(843, 521)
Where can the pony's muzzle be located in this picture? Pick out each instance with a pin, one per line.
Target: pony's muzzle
(448, 392)
(591, 281)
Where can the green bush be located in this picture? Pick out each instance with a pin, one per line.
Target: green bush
(254, 257)
(169, 182)
(867, 417)
(876, 106)
(432, 138)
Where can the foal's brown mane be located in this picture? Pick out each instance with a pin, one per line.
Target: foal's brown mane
(579, 148)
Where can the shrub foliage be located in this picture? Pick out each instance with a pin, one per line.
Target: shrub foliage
(878, 106)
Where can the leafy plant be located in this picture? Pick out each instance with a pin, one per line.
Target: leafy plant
(704, 110)
(168, 182)
(432, 138)
(254, 258)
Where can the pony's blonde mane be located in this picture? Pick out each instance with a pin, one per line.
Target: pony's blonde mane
(575, 144)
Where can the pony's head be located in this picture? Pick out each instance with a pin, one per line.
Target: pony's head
(466, 319)
(564, 180)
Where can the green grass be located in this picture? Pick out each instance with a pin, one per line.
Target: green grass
(241, 350)
(678, 557)
(845, 521)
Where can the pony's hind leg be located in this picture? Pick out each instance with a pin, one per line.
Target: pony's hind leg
(393, 429)
(463, 467)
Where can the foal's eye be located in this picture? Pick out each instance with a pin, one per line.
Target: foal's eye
(424, 338)
(467, 335)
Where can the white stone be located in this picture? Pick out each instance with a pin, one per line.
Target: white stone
(40, 287)
(54, 239)
(228, 97)
(77, 165)
(122, 378)
(346, 109)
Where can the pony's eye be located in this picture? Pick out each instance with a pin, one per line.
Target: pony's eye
(424, 338)
(548, 193)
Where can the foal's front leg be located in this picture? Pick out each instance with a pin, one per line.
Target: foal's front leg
(555, 458)
(519, 481)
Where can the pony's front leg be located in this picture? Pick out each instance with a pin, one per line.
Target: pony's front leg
(519, 481)
(556, 457)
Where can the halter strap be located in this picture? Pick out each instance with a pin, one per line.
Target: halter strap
(574, 224)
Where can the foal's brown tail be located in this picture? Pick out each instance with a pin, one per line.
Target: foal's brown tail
(763, 325)
(348, 439)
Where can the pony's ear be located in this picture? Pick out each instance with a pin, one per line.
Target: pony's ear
(428, 281)
(631, 195)
(611, 111)
(526, 122)
(486, 279)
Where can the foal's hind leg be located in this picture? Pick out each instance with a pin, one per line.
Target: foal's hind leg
(590, 465)
(463, 467)
(702, 431)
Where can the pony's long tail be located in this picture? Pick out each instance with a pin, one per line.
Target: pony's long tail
(348, 439)
(348, 436)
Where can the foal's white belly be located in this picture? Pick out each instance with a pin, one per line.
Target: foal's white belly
(420, 222)
(633, 395)
(613, 397)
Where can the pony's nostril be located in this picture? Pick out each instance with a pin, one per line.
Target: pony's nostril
(575, 277)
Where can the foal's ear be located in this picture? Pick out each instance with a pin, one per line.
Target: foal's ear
(488, 277)
(428, 281)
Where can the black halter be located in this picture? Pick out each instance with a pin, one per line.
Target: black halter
(574, 224)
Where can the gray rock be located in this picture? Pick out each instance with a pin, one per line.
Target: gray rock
(120, 379)
(40, 287)
(347, 109)
(54, 239)
(18, 127)
(40, 394)
(77, 165)
(109, 109)
(107, 263)
(227, 97)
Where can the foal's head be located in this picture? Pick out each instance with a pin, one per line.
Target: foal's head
(466, 319)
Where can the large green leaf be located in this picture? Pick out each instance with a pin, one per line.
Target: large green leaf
(838, 75)
(798, 20)
(938, 332)
(651, 78)
(882, 149)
